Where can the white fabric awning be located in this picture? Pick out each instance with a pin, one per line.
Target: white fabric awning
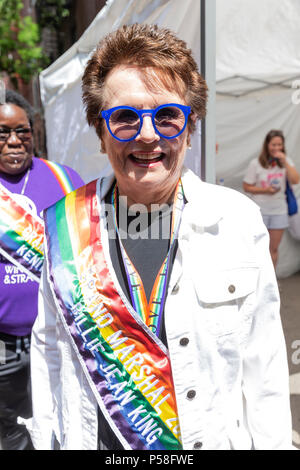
(258, 72)
(258, 38)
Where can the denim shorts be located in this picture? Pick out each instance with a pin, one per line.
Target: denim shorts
(276, 221)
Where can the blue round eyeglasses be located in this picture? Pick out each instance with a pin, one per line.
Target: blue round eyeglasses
(125, 123)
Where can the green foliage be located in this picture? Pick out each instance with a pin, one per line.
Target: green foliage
(20, 53)
(52, 12)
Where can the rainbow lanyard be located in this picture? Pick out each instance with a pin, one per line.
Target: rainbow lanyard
(150, 313)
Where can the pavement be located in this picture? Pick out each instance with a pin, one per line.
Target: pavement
(290, 315)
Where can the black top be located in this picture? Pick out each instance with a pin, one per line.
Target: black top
(145, 237)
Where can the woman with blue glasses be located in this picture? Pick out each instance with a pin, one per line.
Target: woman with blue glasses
(158, 289)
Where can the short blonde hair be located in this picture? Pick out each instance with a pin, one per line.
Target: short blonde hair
(165, 59)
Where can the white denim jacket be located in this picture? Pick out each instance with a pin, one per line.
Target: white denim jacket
(223, 300)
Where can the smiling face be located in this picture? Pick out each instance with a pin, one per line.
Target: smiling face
(147, 168)
(275, 145)
(15, 154)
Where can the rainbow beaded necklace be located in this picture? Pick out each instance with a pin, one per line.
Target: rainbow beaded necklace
(151, 313)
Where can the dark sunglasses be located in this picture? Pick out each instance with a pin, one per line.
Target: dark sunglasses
(23, 133)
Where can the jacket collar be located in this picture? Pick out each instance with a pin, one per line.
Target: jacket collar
(203, 208)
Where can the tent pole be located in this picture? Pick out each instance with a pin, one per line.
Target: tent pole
(208, 70)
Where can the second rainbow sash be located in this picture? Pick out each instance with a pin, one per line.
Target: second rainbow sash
(21, 232)
(21, 235)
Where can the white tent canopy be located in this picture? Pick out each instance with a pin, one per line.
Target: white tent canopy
(69, 138)
(258, 38)
(258, 62)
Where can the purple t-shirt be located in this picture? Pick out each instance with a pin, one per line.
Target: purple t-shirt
(18, 299)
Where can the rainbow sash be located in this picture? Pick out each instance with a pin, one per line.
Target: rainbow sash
(61, 175)
(127, 367)
(21, 232)
(21, 235)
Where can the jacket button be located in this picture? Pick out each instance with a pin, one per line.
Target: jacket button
(198, 445)
(175, 289)
(184, 341)
(231, 288)
(191, 394)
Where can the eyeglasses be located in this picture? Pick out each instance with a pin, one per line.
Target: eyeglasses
(22, 133)
(125, 123)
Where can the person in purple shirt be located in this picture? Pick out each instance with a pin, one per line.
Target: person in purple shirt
(34, 184)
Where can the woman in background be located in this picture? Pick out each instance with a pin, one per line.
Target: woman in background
(30, 184)
(265, 180)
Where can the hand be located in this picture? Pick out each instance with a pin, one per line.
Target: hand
(281, 156)
(272, 189)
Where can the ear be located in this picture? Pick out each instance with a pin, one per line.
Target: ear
(100, 132)
(193, 117)
(102, 146)
(188, 138)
